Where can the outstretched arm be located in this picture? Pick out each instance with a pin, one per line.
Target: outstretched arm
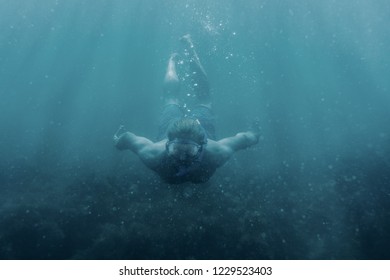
(148, 151)
(240, 141)
(225, 148)
(130, 141)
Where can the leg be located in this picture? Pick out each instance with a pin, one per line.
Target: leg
(171, 111)
(171, 83)
(199, 81)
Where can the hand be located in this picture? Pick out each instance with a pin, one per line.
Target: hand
(256, 128)
(253, 137)
(118, 133)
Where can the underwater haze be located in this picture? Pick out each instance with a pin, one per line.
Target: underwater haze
(314, 74)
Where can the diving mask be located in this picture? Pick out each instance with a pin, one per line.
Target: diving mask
(183, 149)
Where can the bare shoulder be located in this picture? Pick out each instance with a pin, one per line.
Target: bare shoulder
(217, 153)
(152, 154)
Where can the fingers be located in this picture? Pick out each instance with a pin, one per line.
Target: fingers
(121, 127)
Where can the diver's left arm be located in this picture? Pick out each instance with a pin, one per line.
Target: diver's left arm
(223, 149)
(240, 141)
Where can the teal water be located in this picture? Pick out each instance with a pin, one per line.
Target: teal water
(314, 73)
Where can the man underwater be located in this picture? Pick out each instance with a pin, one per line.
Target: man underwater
(187, 150)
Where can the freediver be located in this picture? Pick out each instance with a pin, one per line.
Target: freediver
(186, 150)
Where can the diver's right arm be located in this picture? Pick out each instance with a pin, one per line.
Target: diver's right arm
(130, 141)
(149, 152)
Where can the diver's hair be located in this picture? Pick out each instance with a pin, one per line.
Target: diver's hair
(187, 128)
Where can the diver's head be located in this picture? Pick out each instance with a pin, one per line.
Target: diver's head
(186, 138)
(188, 129)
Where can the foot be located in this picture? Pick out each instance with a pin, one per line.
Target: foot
(171, 81)
(173, 56)
(186, 39)
(171, 69)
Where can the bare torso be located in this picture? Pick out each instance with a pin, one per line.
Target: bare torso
(214, 155)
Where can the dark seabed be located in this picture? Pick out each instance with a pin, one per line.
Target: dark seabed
(315, 74)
